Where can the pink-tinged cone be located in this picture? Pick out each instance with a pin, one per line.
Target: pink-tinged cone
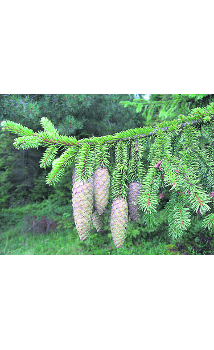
(98, 221)
(101, 189)
(119, 221)
(82, 201)
(133, 196)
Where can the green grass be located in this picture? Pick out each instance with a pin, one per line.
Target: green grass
(17, 236)
(12, 242)
(52, 244)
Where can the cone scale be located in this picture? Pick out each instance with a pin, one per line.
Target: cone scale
(98, 221)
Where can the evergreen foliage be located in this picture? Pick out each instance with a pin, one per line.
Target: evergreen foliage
(73, 115)
(167, 106)
(177, 158)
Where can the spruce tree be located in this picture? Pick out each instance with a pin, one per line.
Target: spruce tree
(180, 159)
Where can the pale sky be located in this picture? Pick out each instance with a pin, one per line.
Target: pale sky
(146, 96)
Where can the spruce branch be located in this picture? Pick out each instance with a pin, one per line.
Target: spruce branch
(208, 222)
(132, 165)
(178, 217)
(186, 181)
(48, 156)
(84, 162)
(16, 128)
(139, 159)
(58, 165)
(33, 139)
(118, 186)
(102, 155)
(175, 157)
(27, 142)
(197, 116)
(48, 126)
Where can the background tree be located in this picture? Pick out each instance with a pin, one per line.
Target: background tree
(162, 107)
(78, 115)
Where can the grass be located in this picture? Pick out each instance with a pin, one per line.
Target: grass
(12, 242)
(18, 236)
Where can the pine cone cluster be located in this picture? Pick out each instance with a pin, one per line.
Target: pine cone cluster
(90, 200)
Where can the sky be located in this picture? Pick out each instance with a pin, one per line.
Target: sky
(146, 96)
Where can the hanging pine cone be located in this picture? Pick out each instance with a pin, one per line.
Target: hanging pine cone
(133, 196)
(82, 201)
(119, 221)
(98, 221)
(101, 189)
